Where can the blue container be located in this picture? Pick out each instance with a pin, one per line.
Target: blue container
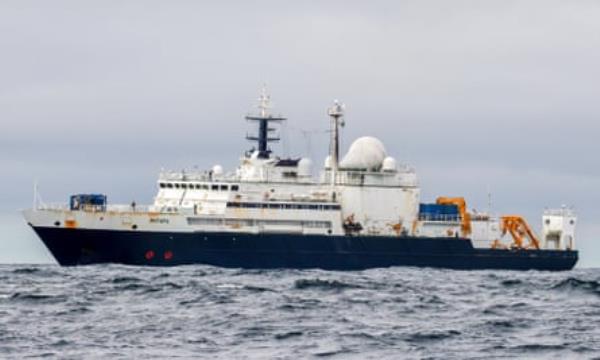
(438, 212)
(85, 201)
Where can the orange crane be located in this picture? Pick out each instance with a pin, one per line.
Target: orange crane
(519, 230)
(462, 209)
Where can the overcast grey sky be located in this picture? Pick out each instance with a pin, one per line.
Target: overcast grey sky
(98, 96)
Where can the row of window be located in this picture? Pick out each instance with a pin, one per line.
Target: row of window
(255, 222)
(212, 187)
(287, 206)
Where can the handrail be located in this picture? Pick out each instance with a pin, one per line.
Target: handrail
(121, 208)
(439, 218)
(560, 212)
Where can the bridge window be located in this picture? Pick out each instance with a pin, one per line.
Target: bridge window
(176, 185)
(235, 187)
(169, 185)
(162, 185)
(224, 187)
(214, 187)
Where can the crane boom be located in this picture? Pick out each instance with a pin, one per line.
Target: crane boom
(519, 229)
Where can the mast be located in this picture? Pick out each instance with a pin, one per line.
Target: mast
(35, 194)
(264, 119)
(336, 112)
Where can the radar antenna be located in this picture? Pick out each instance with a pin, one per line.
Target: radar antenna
(264, 119)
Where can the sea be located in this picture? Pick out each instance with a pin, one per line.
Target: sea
(204, 312)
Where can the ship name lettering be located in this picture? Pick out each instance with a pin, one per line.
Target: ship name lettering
(159, 221)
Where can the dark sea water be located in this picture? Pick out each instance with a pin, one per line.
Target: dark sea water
(113, 312)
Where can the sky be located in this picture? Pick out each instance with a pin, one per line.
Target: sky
(480, 97)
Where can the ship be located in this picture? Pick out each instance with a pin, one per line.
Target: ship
(361, 211)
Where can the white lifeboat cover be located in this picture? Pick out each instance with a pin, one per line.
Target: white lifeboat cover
(365, 153)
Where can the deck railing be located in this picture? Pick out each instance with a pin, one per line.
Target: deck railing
(121, 208)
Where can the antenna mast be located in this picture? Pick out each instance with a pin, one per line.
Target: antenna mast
(336, 112)
(35, 194)
(264, 118)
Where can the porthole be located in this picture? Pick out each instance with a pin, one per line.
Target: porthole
(57, 223)
(572, 222)
(134, 226)
(547, 221)
(149, 255)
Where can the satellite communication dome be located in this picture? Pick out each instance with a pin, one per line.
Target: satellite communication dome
(305, 167)
(217, 170)
(365, 153)
(389, 164)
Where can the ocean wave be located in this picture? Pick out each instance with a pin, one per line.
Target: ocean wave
(571, 283)
(318, 284)
(420, 337)
(38, 298)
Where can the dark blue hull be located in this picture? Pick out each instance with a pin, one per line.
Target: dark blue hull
(81, 246)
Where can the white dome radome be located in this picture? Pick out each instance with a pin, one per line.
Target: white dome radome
(305, 167)
(217, 170)
(389, 164)
(365, 153)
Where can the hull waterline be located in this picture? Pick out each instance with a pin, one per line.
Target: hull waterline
(84, 246)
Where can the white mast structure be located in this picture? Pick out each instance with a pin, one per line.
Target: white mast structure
(336, 112)
(264, 102)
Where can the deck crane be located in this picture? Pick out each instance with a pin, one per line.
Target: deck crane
(519, 229)
(462, 209)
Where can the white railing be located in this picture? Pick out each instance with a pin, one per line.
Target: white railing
(120, 208)
(52, 206)
(560, 212)
(194, 175)
(440, 218)
(405, 178)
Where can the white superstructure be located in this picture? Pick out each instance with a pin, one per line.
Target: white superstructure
(558, 229)
(367, 192)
